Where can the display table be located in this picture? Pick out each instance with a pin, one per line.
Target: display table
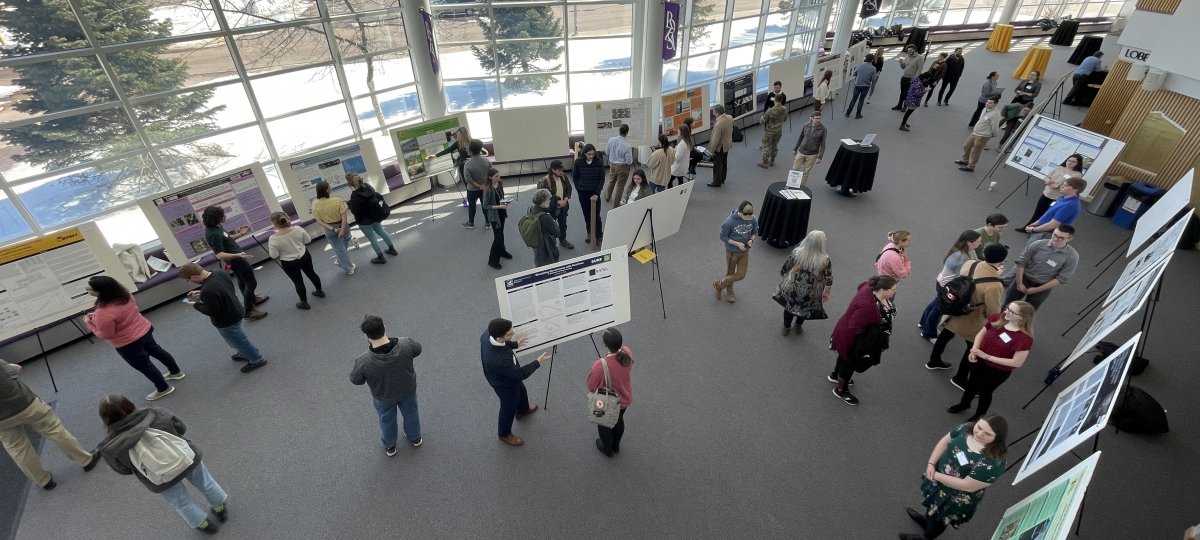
(1065, 34)
(1036, 59)
(1001, 38)
(853, 168)
(783, 221)
(1087, 47)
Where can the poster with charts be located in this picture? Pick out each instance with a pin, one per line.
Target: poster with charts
(44, 280)
(1047, 513)
(602, 120)
(417, 146)
(679, 106)
(1046, 143)
(302, 172)
(561, 301)
(1119, 311)
(1150, 257)
(1080, 410)
(244, 194)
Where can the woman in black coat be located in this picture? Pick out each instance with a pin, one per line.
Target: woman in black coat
(588, 176)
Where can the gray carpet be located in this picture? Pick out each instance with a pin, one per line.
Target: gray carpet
(733, 432)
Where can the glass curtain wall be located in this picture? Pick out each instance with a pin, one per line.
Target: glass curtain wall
(143, 96)
(508, 54)
(725, 38)
(908, 13)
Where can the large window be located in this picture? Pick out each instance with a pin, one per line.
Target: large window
(908, 13)
(175, 91)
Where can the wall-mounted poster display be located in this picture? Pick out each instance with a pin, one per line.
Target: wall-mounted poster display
(44, 280)
(679, 106)
(602, 120)
(737, 94)
(302, 172)
(175, 215)
(416, 143)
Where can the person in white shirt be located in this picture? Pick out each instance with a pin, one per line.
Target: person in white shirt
(287, 246)
(683, 152)
(639, 188)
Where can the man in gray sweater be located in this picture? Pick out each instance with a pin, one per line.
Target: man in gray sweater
(387, 368)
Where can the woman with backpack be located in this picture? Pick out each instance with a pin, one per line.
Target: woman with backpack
(289, 246)
(1000, 347)
(619, 361)
(962, 251)
(118, 321)
(148, 443)
(369, 211)
(987, 299)
(539, 230)
(495, 209)
(893, 260)
(807, 282)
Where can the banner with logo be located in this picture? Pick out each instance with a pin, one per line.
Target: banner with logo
(670, 43)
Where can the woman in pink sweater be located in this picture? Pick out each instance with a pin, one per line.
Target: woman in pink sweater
(620, 369)
(893, 260)
(118, 321)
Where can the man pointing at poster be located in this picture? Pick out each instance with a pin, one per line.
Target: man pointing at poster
(507, 376)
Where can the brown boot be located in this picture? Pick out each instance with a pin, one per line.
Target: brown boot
(717, 285)
(512, 440)
(729, 297)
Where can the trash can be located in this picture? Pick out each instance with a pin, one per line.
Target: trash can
(1141, 197)
(1110, 194)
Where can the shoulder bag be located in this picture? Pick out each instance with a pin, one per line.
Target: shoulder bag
(604, 405)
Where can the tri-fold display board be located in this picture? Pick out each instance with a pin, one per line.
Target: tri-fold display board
(302, 172)
(44, 280)
(244, 194)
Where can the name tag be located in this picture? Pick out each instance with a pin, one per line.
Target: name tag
(1004, 337)
(961, 457)
(1052, 264)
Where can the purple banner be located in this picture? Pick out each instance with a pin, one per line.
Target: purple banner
(670, 43)
(433, 57)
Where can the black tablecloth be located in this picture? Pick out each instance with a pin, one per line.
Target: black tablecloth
(1065, 34)
(918, 37)
(783, 221)
(853, 168)
(1087, 94)
(1087, 47)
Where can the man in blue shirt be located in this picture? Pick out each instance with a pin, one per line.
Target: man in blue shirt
(620, 157)
(1080, 77)
(1062, 212)
(862, 75)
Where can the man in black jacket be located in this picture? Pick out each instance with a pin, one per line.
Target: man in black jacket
(954, 70)
(507, 376)
(218, 299)
(387, 368)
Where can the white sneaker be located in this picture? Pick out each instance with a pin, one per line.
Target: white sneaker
(350, 271)
(174, 376)
(156, 394)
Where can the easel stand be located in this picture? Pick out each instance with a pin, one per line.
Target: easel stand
(553, 353)
(1110, 263)
(1014, 191)
(655, 270)
(42, 347)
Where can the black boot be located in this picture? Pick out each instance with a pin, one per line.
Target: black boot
(934, 528)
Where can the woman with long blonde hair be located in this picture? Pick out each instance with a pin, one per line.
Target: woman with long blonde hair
(807, 282)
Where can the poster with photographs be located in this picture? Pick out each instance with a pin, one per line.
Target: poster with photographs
(1119, 311)
(302, 172)
(1047, 513)
(737, 94)
(1080, 411)
(602, 120)
(682, 105)
(1156, 253)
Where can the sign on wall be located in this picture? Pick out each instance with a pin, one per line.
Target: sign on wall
(737, 94)
(670, 40)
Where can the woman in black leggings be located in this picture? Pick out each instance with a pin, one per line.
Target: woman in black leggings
(999, 348)
(287, 247)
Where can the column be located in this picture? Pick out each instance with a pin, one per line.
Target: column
(429, 84)
(647, 49)
(1008, 11)
(847, 10)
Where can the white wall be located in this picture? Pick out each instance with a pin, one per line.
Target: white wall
(1169, 38)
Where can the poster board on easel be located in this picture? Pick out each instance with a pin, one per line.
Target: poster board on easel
(43, 280)
(622, 225)
(1160, 214)
(1047, 513)
(791, 72)
(417, 146)
(529, 133)
(1046, 143)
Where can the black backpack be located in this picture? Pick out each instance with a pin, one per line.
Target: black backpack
(1139, 412)
(954, 298)
(737, 134)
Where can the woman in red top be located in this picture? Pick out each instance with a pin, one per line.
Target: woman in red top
(118, 321)
(871, 306)
(1000, 347)
(620, 369)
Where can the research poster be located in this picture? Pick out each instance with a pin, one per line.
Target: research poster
(679, 106)
(1156, 253)
(302, 172)
(1080, 411)
(1046, 143)
(834, 63)
(1047, 514)
(738, 95)
(603, 120)
(1161, 212)
(418, 145)
(561, 301)
(244, 194)
(1119, 311)
(44, 280)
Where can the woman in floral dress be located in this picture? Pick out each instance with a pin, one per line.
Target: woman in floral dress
(807, 282)
(961, 467)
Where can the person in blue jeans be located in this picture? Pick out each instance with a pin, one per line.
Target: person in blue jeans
(387, 369)
(216, 298)
(962, 251)
(127, 425)
(369, 212)
(863, 76)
